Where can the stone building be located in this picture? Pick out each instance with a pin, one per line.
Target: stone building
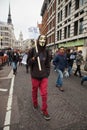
(7, 37)
(65, 23)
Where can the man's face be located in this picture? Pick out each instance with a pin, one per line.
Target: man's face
(42, 40)
(62, 50)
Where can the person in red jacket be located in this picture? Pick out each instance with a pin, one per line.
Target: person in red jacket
(39, 77)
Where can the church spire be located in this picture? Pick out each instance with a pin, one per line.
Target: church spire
(9, 21)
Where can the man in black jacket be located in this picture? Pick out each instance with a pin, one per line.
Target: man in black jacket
(39, 77)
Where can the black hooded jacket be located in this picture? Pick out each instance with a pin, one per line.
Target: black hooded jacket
(44, 61)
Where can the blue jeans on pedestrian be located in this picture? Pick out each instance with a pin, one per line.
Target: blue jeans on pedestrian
(70, 70)
(84, 78)
(59, 81)
(14, 65)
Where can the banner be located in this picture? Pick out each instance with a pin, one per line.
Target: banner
(24, 60)
(33, 32)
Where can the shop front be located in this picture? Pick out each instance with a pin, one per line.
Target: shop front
(76, 43)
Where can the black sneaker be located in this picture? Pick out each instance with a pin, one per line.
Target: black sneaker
(46, 117)
(35, 107)
(75, 74)
(61, 89)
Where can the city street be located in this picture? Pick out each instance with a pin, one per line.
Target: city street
(68, 109)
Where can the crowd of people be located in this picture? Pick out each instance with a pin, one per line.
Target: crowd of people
(63, 62)
(38, 61)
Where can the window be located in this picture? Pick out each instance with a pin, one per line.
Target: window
(58, 1)
(49, 1)
(65, 32)
(66, 22)
(60, 34)
(57, 35)
(75, 28)
(81, 12)
(54, 7)
(69, 31)
(60, 16)
(81, 26)
(60, 25)
(66, 0)
(76, 4)
(76, 15)
(69, 20)
(69, 8)
(81, 2)
(48, 27)
(66, 8)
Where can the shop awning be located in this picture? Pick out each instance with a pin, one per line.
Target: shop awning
(73, 43)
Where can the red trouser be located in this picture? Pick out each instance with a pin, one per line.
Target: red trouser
(42, 85)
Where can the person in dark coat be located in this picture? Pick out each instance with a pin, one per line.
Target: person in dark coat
(39, 76)
(9, 54)
(15, 59)
(79, 61)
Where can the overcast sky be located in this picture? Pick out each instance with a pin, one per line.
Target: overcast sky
(24, 13)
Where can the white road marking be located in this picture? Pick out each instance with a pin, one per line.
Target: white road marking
(9, 76)
(3, 90)
(9, 107)
(11, 73)
(5, 78)
(6, 128)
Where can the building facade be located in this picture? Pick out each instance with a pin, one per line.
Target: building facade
(69, 28)
(71, 22)
(7, 37)
(48, 13)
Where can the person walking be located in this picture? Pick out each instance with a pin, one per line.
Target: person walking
(9, 54)
(79, 60)
(24, 61)
(70, 59)
(39, 77)
(84, 78)
(15, 59)
(60, 61)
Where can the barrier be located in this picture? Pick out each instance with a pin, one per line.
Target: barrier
(3, 60)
